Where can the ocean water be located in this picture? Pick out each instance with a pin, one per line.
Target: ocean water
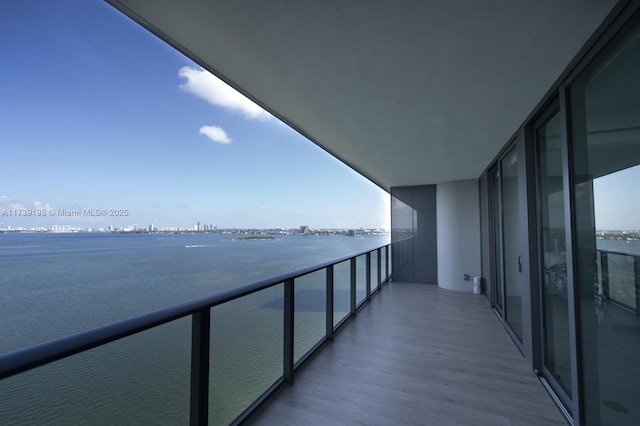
(52, 285)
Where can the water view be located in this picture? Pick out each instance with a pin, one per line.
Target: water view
(57, 284)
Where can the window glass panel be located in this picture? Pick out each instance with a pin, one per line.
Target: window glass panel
(605, 105)
(402, 233)
(511, 241)
(554, 279)
(413, 234)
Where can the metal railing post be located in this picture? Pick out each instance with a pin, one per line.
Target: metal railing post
(379, 254)
(200, 343)
(329, 303)
(352, 292)
(368, 275)
(386, 262)
(636, 274)
(289, 314)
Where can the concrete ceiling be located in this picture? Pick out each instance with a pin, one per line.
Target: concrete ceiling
(405, 92)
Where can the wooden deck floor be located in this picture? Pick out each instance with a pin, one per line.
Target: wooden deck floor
(416, 354)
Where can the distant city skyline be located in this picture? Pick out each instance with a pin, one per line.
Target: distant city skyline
(100, 115)
(197, 227)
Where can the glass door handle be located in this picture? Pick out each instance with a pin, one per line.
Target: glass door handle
(520, 263)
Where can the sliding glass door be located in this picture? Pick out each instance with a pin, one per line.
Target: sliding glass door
(554, 286)
(507, 285)
(511, 240)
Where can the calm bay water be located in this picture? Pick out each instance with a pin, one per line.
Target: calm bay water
(619, 246)
(52, 285)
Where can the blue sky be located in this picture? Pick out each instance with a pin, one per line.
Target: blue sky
(615, 200)
(97, 113)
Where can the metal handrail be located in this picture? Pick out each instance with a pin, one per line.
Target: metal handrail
(621, 253)
(22, 360)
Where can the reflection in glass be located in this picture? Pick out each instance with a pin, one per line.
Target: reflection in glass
(618, 268)
(402, 233)
(414, 234)
(605, 106)
(557, 358)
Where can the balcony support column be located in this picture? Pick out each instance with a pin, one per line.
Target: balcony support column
(200, 343)
(329, 303)
(289, 315)
(368, 275)
(352, 293)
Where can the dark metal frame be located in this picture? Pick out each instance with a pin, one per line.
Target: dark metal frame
(20, 361)
(495, 234)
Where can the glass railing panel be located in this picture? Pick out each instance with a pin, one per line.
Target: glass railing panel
(141, 379)
(622, 279)
(341, 290)
(388, 261)
(361, 278)
(374, 270)
(246, 352)
(310, 312)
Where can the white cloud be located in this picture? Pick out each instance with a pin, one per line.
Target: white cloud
(203, 84)
(39, 205)
(7, 203)
(215, 133)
